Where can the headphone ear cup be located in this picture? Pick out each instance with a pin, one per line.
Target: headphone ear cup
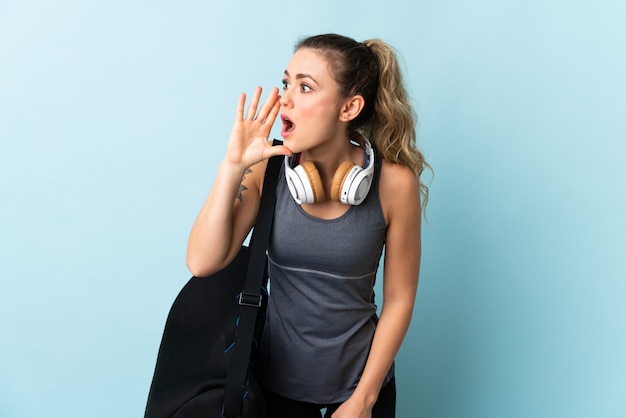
(339, 180)
(315, 180)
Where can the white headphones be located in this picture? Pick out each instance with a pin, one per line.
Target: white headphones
(350, 186)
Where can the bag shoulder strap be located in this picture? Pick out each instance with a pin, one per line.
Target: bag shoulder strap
(251, 298)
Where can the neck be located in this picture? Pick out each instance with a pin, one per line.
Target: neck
(328, 156)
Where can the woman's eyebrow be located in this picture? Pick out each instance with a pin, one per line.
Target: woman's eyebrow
(300, 76)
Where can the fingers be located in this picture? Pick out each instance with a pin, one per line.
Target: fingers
(240, 106)
(277, 150)
(268, 111)
(254, 104)
(269, 107)
(274, 108)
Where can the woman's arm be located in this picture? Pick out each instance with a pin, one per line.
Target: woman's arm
(230, 210)
(224, 219)
(400, 199)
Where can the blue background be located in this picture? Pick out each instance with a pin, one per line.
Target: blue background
(114, 116)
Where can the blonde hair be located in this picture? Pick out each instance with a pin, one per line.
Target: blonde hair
(371, 69)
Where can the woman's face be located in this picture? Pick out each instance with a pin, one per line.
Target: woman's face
(310, 102)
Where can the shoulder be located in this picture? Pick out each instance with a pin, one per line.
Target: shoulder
(398, 182)
(399, 190)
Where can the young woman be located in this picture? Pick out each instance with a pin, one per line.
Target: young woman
(339, 202)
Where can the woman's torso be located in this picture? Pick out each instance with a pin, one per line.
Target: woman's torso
(321, 315)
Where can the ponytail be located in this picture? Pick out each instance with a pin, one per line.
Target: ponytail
(392, 125)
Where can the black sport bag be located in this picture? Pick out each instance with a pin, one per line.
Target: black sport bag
(214, 326)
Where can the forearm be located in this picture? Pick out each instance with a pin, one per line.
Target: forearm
(390, 332)
(211, 238)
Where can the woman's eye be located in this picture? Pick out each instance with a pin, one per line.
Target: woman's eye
(285, 85)
(305, 88)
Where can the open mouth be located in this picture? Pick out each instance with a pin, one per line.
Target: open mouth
(288, 125)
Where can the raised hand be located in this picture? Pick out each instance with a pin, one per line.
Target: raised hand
(248, 143)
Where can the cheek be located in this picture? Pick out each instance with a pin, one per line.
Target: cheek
(320, 111)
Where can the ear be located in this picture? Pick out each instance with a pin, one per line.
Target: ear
(351, 108)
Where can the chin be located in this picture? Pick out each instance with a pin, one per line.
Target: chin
(289, 142)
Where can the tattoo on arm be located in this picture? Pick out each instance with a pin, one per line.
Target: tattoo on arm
(242, 188)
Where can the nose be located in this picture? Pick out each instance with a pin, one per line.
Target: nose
(285, 98)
